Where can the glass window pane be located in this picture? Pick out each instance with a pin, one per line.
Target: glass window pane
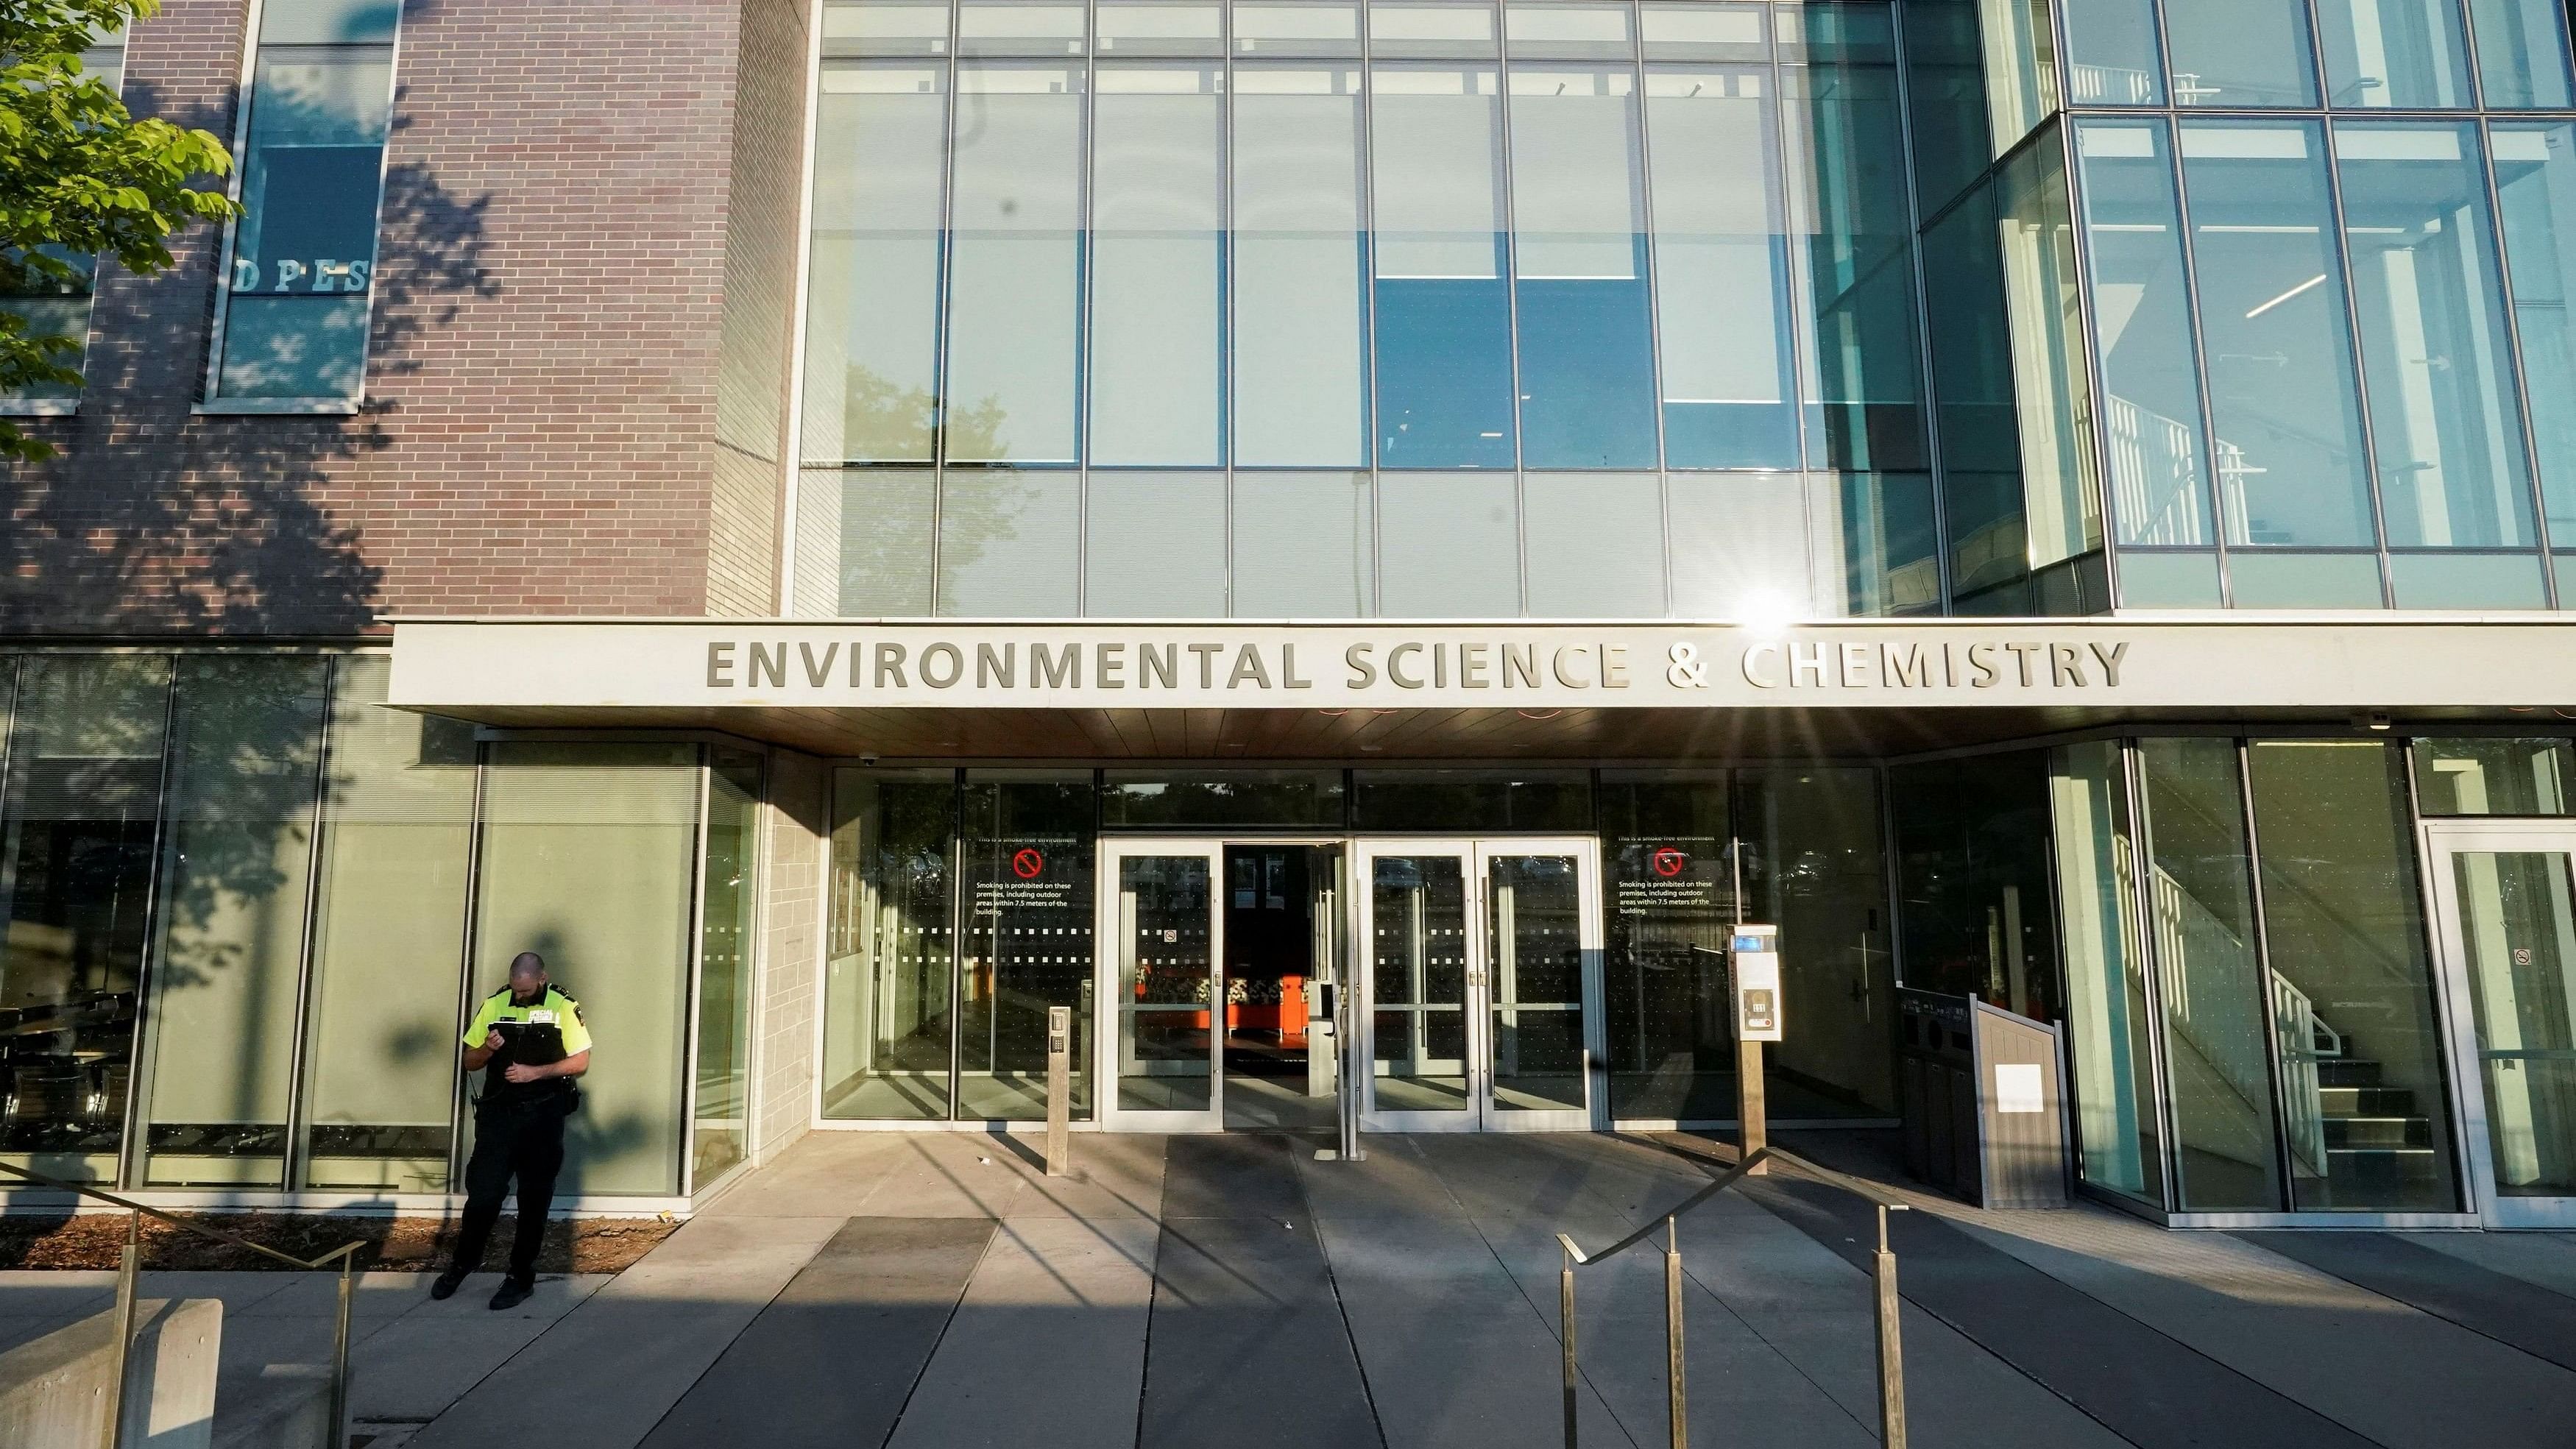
(589, 851)
(1157, 208)
(1669, 853)
(1331, 28)
(304, 250)
(1558, 801)
(1568, 32)
(2403, 53)
(1603, 550)
(880, 28)
(2445, 423)
(1739, 546)
(2239, 53)
(1444, 346)
(1814, 865)
(327, 22)
(2267, 580)
(886, 538)
(1972, 878)
(246, 738)
(2277, 337)
(1019, 27)
(2111, 53)
(1706, 32)
(1299, 362)
(2518, 929)
(2522, 53)
(1945, 101)
(1154, 547)
(1972, 385)
(2467, 581)
(2109, 1024)
(2054, 405)
(889, 958)
(2186, 580)
(1721, 267)
(1305, 546)
(2362, 1099)
(1007, 545)
(2535, 171)
(1016, 215)
(728, 926)
(1452, 546)
(1874, 533)
(1159, 29)
(2493, 776)
(388, 942)
(1587, 372)
(83, 796)
(1028, 855)
(872, 300)
(1845, 142)
(1229, 797)
(2159, 455)
(1464, 31)
(2021, 67)
(2200, 915)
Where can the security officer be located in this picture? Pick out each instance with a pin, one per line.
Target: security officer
(529, 1041)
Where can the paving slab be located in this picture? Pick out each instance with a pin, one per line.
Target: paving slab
(1064, 1303)
(941, 1175)
(2507, 1309)
(1238, 1175)
(425, 1360)
(1248, 1301)
(832, 1361)
(2154, 1390)
(824, 1174)
(2386, 1372)
(626, 1354)
(1113, 1174)
(2547, 1260)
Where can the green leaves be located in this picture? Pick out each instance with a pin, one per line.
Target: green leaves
(81, 179)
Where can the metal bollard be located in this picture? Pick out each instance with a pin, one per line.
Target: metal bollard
(1891, 1348)
(1675, 1388)
(1565, 1323)
(340, 1353)
(1059, 1141)
(129, 1268)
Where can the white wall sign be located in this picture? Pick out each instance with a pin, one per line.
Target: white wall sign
(1866, 664)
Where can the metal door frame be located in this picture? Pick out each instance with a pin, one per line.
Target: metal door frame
(1114, 932)
(2442, 840)
(1475, 855)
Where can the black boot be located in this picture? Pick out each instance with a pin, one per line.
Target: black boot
(447, 1284)
(514, 1291)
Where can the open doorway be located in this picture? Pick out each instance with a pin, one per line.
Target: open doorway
(1282, 908)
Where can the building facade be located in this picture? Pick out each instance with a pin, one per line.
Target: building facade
(1345, 545)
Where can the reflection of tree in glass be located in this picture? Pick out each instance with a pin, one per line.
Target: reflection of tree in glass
(883, 423)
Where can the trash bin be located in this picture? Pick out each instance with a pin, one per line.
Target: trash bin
(1983, 1096)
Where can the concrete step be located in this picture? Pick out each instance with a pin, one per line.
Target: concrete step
(2374, 1132)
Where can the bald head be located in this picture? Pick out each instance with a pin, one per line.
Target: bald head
(527, 974)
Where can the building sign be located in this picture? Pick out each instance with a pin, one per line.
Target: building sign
(2220, 661)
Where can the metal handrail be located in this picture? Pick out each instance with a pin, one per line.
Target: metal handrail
(1891, 1360)
(130, 1268)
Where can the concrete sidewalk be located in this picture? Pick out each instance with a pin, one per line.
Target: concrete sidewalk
(926, 1290)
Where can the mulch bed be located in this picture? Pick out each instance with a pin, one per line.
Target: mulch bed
(97, 1240)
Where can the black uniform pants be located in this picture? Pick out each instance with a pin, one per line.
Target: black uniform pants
(511, 1141)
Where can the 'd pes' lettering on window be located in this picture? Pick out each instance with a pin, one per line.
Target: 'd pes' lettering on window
(312, 173)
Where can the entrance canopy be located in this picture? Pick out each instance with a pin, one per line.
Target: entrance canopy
(1037, 690)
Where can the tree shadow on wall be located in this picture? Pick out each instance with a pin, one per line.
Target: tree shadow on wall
(154, 521)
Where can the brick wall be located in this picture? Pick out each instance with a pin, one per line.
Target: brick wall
(542, 427)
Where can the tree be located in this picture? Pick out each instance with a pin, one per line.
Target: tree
(80, 179)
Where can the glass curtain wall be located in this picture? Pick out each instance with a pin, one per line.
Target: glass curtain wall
(728, 930)
(77, 818)
(1181, 316)
(1972, 877)
(891, 961)
(388, 962)
(236, 860)
(1668, 849)
(1812, 852)
(588, 854)
(2317, 332)
(2110, 1021)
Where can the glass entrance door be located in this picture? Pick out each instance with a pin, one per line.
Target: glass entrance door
(1163, 1046)
(2505, 899)
(1481, 983)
